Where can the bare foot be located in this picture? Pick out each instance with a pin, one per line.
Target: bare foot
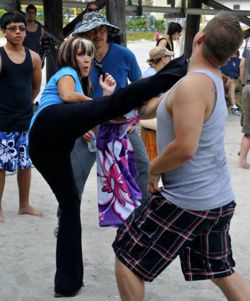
(244, 165)
(30, 210)
(1, 217)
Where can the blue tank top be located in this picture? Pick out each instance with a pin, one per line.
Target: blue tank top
(202, 183)
(50, 95)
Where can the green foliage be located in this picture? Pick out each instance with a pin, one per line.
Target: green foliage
(140, 23)
(2, 11)
(160, 25)
(140, 35)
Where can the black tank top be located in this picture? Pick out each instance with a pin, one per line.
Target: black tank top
(15, 93)
(32, 39)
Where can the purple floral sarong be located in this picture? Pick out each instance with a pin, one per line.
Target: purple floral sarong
(118, 193)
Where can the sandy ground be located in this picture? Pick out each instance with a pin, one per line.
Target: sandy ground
(27, 244)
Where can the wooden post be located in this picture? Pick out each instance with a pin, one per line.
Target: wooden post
(10, 5)
(139, 8)
(116, 16)
(54, 22)
(192, 27)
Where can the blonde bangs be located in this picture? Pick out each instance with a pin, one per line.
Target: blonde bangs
(86, 47)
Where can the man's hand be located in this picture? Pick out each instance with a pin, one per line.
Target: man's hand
(88, 136)
(131, 128)
(107, 83)
(153, 183)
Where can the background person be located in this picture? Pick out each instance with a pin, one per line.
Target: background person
(92, 7)
(245, 117)
(20, 80)
(173, 34)
(34, 31)
(159, 57)
(230, 75)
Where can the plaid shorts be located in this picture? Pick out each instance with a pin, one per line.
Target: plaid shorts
(14, 151)
(157, 232)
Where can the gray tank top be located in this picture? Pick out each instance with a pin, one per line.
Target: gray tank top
(203, 182)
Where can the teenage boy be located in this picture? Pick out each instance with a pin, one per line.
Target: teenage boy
(20, 81)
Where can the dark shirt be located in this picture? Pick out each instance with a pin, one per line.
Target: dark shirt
(33, 39)
(169, 43)
(15, 93)
(232, 68)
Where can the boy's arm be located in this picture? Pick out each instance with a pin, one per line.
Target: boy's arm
(37, 74)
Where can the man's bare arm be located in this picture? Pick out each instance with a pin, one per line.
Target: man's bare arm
(189, 108)
(37, 74)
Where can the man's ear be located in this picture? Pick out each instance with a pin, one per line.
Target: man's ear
(200, 37)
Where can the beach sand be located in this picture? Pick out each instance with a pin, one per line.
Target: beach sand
(27, 244)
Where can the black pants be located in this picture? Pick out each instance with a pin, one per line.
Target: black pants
(52, 138)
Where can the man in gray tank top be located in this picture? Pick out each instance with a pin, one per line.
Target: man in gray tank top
(190, 215)
(245, 118)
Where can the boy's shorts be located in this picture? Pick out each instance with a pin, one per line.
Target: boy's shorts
(157, 232)
(14, 153)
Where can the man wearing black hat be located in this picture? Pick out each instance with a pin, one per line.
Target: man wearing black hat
(121, 63)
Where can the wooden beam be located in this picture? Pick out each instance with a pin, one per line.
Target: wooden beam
(216, 5)
(65, 3)
(54, 22)
(196, 11)
(132, 9)
(192, 26)
(10, 5)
